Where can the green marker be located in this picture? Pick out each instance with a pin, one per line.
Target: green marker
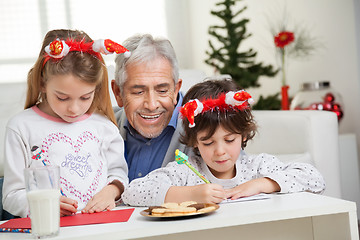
(181, 158)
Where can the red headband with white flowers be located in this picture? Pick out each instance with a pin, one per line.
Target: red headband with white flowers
(59, 48)
(239, 100)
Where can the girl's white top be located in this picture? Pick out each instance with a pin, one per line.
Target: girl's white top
(90, 153)
(291, 177)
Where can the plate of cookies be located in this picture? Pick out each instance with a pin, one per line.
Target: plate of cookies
(189, 208)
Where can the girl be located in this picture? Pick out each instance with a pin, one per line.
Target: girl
(218, 123)
(68, 121)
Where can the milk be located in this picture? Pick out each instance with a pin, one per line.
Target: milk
(44, 211)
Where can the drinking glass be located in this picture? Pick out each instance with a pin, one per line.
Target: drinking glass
(43, 195)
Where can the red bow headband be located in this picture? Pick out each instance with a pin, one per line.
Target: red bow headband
(60, 48)
(239, 100)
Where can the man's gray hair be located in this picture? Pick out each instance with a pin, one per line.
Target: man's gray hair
(144, 49)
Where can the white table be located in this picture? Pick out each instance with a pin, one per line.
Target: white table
(285, 216)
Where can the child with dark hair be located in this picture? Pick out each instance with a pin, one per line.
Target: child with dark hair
(218, 122)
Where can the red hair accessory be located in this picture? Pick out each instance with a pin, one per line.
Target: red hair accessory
(57, 49)
(239, 100)
(108, 46)
(60, 48)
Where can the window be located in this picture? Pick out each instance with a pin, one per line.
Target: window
(24, 23)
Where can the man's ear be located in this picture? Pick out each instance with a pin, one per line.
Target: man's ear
(177, 89)
(116, 91)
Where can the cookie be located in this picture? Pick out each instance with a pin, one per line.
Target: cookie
(187, 203)
(207, 209)
(198, 205)
(170, 205)
(181, 210)
(156, 211)
(153, 207)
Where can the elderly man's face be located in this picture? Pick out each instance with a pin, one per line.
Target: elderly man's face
(149, 97)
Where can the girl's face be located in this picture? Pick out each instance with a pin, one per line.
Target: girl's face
(67, 97)
(220, 151)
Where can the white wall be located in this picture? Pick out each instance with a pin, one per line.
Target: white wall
(334, 22)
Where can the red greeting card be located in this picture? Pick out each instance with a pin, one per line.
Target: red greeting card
(121, 215)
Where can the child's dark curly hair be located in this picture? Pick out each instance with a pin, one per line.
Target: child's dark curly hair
(232, 120)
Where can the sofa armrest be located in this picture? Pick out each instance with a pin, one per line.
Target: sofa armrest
(12, 99)
(302, 136)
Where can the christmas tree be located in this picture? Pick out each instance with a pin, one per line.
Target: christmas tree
(228, 59)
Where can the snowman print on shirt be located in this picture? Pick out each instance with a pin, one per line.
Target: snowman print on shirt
(38, 154)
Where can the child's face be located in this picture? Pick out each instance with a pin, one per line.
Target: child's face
(220, 151)
(68, 97)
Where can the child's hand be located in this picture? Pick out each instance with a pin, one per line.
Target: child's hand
(208, 193)
(68, 206)
(204, 193)
(103, 200)
(253, 187)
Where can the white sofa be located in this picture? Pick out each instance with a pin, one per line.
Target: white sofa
(301, 136)
(12, 99)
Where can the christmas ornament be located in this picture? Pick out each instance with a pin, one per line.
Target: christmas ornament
(318, 96)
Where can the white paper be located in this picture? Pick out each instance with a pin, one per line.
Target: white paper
(251, 198)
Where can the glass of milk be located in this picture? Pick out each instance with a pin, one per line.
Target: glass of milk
(43, 195)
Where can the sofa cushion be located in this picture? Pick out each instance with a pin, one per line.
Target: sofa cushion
(12, 100)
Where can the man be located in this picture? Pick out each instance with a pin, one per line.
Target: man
(146, 88)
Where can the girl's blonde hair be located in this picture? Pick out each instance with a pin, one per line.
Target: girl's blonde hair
(83, 65)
